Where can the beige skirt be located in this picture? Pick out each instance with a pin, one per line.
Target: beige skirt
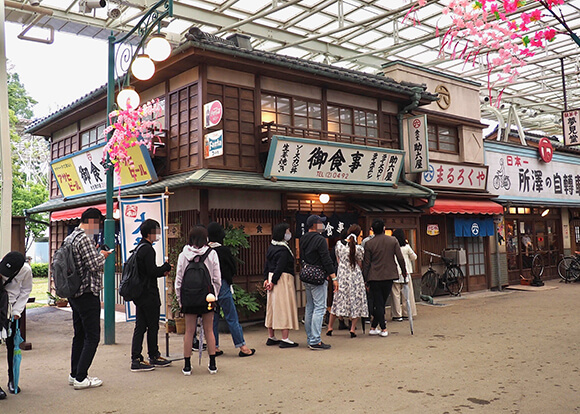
(281, 310)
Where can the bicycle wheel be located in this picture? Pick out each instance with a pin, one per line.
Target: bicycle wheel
(428, 283)
(454, 280)
(537, 266)
(564, 266)
(573, 272)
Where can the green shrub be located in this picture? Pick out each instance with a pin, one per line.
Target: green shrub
(39, 269)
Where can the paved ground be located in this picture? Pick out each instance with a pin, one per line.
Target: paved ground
(492, 352)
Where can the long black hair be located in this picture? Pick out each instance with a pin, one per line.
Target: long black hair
(399, 234)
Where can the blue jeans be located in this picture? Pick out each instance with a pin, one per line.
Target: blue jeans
(226, 302)
(315, 309)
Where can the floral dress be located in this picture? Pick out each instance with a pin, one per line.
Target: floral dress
(351, 298)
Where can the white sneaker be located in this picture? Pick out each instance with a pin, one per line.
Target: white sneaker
(186, 373)
(88, 382)
(376, 331)
(71, 380)
(384, 333)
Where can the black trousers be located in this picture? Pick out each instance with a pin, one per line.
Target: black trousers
(10, 349)
(87, 333)
(147, 320)
(379, 292)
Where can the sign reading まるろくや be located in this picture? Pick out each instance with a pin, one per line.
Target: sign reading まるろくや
(300, 159)
(460, 177)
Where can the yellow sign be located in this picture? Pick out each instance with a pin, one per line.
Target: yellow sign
(432, 229)
(83, 173)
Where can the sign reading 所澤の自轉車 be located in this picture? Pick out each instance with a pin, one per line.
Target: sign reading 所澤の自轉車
(518, 174)
(300, 159)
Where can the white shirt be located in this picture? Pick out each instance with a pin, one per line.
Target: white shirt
(409, 256)
(19, 289)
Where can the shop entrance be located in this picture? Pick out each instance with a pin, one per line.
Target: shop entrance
(529, 234)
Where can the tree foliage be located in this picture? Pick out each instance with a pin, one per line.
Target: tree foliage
(29, 161)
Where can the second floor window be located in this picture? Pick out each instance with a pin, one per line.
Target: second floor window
(92, 137)
(351, 121)
(443, 138)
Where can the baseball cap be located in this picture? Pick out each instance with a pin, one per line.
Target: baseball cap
(313, 219)
(11, 264)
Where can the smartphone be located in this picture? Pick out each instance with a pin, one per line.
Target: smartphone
(111, 251)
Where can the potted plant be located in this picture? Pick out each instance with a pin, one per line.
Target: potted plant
(55, 300)
(178, 319)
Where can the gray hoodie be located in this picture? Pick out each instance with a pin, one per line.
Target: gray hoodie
(212, 262)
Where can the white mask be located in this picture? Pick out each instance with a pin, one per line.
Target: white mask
(287, 236)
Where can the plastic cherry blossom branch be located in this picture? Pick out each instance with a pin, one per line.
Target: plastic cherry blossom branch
(129, 128)
(494, 27)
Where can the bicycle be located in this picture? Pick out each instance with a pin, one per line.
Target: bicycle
(569, 268)
(537, 269)
(451, 280)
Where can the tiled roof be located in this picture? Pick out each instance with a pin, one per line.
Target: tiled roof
(206, 41)
(206, 178)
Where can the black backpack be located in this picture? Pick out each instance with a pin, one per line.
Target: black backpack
(66, 276)
(196, 283)
(131, 285)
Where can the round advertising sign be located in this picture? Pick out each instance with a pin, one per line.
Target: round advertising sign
(213, 113)
(546, 150)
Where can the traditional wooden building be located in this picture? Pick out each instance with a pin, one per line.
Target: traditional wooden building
(292, 132)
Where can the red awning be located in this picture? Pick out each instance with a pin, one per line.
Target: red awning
(454, 206)
(75, 213)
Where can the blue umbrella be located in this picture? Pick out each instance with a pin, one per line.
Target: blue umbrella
(200, 326)
(17, 356)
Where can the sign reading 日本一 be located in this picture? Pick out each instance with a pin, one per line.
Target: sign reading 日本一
(83, 173)
(418, 148)
(213, 144)
(571, 126)
(300, 159)
(134, 211)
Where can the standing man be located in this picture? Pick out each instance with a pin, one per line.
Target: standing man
(314, 252)
(149, 303)
(379, 271)
(86, 304)
(16, 277)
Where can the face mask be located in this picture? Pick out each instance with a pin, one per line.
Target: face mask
(287, 236)
(320, 229)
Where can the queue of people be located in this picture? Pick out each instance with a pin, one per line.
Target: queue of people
(362, 280)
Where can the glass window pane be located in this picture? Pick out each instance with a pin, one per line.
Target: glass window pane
(346, 116)
(283, 119)
(447, 147)
(315, 124)
(372, 119)
(346, 128)
(84, 139)
(268, 103)
(283, 105)
(268, 117)
(372, 132)
(301, 121)
(359, 117)
(333, 114)
(314, 110)
(358, 130)
(300, 108)
(333, 126)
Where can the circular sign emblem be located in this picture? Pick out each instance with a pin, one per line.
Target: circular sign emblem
(475, 229)
(444, 101)
(215, 112)
(546, 150)
(416, 123)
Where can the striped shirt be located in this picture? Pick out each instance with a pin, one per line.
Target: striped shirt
(89, 262)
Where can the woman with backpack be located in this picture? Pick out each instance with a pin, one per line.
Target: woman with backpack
(193, 282)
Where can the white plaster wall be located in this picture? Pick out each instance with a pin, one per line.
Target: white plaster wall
(184, 78)
(186, 198)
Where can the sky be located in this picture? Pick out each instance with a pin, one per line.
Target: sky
(58, 74)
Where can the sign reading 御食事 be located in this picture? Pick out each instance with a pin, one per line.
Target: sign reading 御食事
(300, 159)
(83, 173)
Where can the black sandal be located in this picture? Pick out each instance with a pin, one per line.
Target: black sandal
(352, 334)
(329, 333)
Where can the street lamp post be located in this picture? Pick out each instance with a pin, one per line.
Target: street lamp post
(125, 55)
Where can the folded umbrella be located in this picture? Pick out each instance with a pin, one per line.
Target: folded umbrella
(17, 356)
(200, 326)
(409, 310)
